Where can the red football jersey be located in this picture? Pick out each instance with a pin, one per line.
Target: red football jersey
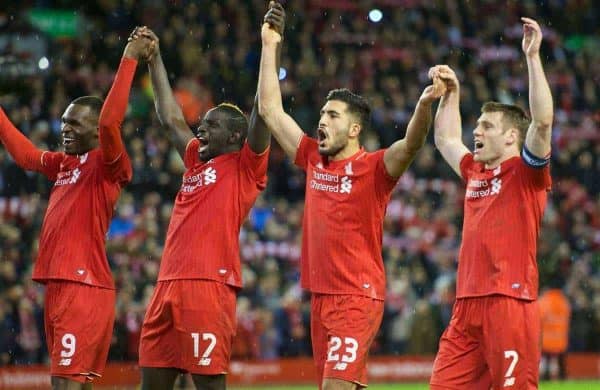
(502, 217)
(81, 204)
(343, 221)
(214, 199)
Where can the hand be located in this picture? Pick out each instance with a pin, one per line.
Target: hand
(145, 32)
(532, 37)
(269, 36)
(275, 17)
(447, 76)
(142, 44)
(434, 91)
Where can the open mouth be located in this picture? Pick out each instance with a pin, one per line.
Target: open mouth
(321, 136)
(203, 143)
(67, 141)
(478, 145)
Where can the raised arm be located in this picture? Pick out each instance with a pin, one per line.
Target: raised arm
(115, 105)
(258, 132)
(270, 106)
(400, 154)
(447, 123)
(22, 150)
(539, 134)
(168, 111)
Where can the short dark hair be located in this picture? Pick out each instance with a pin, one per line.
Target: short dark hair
(357, 105)
(236, 120)
(513, 116)
(93, 102)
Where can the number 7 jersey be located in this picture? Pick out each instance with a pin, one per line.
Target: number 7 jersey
(503, 214)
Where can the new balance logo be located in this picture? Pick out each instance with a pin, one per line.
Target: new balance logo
(346, 185)
(204, 362)
(64, 362)
(340, 366)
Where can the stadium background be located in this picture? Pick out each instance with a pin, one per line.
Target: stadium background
(52, 52)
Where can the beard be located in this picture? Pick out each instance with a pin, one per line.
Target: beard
(337, 144)
(333, 149)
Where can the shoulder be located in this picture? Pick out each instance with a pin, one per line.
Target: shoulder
(308, 143)
(375, 155)
(468, 163)
(246, 150)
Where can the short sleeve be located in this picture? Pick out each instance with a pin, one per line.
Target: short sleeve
(119, 171)
(191, 157)
(384, 182)
(50, 164)
(466, 166)
(305, 148)
(538, 178)
(254, 165)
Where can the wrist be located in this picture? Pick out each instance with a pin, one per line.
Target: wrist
(425, 102)
(271, 44)
(130, 56)
(153, 59)
(129, 62)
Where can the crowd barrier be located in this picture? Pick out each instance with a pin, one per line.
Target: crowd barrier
(283, 371)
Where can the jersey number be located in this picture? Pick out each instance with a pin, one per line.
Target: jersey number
(349, 355)
(205, 359)
(69, 343)
(514, 356)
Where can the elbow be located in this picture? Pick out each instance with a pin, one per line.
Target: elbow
(103, 128)
(265, 110)
(166, 120)
(171, 118)
(262, 109)
(107, 121)
(440, 141)
(412, 150)
(543, 125)
(262, 105)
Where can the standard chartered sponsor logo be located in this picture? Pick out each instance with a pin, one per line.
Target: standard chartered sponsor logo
(325, 181)
(480, 188)
(324, 176)
(68, 177)
(206, 177)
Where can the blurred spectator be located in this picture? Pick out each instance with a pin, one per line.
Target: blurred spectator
(555, 314)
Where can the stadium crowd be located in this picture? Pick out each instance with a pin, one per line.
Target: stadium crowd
(211, 50)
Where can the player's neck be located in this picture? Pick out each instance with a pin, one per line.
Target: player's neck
(350, 150)
(84, 150)
(492, 164)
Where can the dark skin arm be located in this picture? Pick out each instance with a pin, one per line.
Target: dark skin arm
(259, 135)
(168, 111)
